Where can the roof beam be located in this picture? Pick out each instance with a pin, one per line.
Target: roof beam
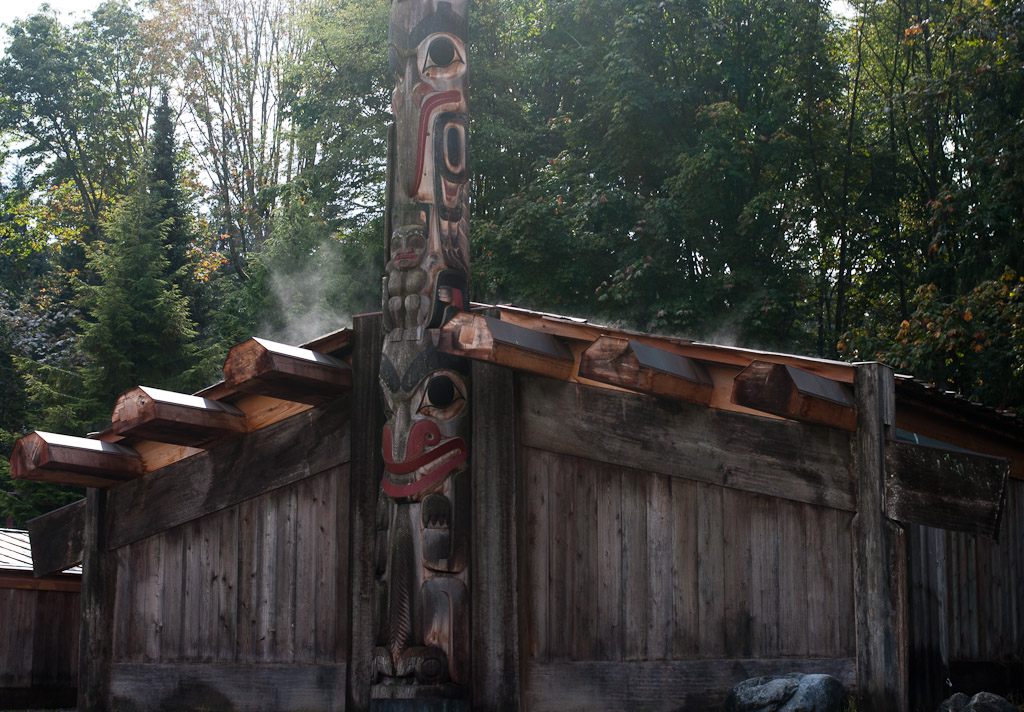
(641, 367)
(168, 417)
(287, 372)
(782, 389)
(68, 460)
(484, 338)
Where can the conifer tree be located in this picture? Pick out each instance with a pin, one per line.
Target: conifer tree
(140, 332)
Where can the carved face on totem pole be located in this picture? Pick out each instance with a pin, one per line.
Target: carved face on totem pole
(423, 515)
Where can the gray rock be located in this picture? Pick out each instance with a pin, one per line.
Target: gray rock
(956, 703)
(981, 702)
(789, 693)
(987, 702)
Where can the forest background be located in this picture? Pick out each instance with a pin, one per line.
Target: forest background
(183, 174)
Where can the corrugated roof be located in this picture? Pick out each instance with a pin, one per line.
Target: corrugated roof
(16, 552)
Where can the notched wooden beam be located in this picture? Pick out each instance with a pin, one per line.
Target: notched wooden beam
(56, 539)
(287, 372)
(168, 417)
(485, 338)
(640, 367)
(69, 460)
(794, 393)
(946, 489)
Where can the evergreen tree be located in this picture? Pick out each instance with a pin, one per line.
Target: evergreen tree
(163, 178)
(140, 332)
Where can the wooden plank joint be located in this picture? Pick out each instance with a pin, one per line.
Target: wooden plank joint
(640, 367)
(69, 460)
(287, 372)
(782, 389)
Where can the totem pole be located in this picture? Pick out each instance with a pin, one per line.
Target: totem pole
(423, 507)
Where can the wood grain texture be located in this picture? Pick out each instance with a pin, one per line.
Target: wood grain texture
(193, 421)
(268, 368)
(618, 362)
(484, 338)
(99, 576)
(495, 563)
(791, 392)
(231, 472)
(278, 688)
(946, 489)
(68, 460)
(56, 538)
(781, 458)
(879, 563)
(665, 686)
(364, 483)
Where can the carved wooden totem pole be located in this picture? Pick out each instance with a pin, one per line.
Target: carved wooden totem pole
(423, 508)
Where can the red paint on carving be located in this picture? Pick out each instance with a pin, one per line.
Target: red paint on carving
(426, 111)
(423, 434)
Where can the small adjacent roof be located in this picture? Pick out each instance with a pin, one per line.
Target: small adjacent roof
(16, 553)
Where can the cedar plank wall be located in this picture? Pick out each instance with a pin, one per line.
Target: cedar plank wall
(642, 589)
(243, 608)
(38, 647)
(967, 608)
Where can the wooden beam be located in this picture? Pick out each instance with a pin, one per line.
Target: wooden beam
(287, 372)
(26, 580)
(484, 338)
(367, 467)
(945, 489)
(879, 553)
(176, 418)
(56, 539)
(640, 367)
(228, 473)
(769, 456)
(99, 589)
(69, 460)
(337, 343)
(495, 521)
(782, 389)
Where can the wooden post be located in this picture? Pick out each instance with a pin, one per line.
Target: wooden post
(495, 567)
(99, 574)
(879, 547)
(367, 464)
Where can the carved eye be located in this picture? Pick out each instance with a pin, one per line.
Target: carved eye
(443, 398)
(443, 58)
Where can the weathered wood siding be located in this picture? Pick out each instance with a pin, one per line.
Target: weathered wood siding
(263, 582)
(38, 646)
(645, 587)
(967, 608)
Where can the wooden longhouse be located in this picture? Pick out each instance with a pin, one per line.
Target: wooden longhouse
(653, 520)
(38, 629)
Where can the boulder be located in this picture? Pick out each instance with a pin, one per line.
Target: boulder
(788, 693)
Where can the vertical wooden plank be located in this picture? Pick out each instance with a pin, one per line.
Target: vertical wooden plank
(172, 602)
(191, 614)
(536, 552)
(328, 571)
(248, 580)
(226, 578)
(845, 611)
(793, 589)
(609, 562)
(685, 589)
(266, 599)
(584, 566)
(136, 590)
(711, 570)
(99, 579)
(122, 604)
(739, 633)
(659, 567)
(306, 569)
(364, 480)
(821, 593)
(153, 593)
(495, 515)
(16, 637)
(970, 585)
(334, 541)
(560, 585)
(764, 576)
(956, 595)
(286, 576)
(879, 552)
(207, 531)
(634, 564)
